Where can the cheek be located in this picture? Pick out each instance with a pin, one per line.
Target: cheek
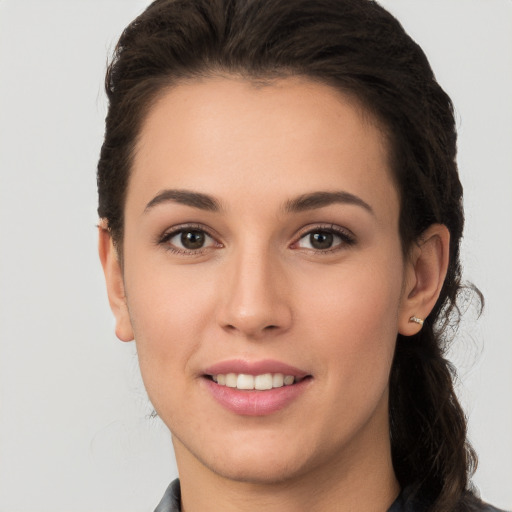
(354, 311)
(169, 308)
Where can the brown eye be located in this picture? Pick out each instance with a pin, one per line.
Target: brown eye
(193, 239)
(321, 240)
(325, 240)
(188, 241)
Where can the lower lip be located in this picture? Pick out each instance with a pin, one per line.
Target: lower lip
(256, 403)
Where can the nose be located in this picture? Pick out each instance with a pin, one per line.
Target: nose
(256, 301)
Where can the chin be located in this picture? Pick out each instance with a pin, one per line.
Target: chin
(259, 472)
(256, 461)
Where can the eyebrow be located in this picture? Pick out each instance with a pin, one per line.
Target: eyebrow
(188, 198)
(301, 203)
(316, 200)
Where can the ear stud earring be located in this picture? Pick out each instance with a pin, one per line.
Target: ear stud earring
(416, 320)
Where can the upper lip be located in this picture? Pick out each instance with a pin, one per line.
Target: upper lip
(254, 368)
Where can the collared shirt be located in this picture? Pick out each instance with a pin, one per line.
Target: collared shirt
(171, 502)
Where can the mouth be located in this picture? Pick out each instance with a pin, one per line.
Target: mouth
(255, 388)
(261, 382)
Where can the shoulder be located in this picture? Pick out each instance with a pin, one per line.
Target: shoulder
(409, 501)
(472, 503)
(171, 500)
(489, 508)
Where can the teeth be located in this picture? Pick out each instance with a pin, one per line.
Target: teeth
(245, 381)
(231, 380)
(278, 380)
(258, 382)
(263, 382)
(289, 379)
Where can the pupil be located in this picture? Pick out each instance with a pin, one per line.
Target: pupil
(321, 240)
(192, 239)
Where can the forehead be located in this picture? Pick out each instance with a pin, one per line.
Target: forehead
(228, 137)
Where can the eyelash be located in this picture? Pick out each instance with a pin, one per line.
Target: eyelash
(169, 235)
(347, 239)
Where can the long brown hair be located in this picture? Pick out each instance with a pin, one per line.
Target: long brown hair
(359, 48)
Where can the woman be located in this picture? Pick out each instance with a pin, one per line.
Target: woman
(281, 218)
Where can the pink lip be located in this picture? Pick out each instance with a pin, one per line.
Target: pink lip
(254, 402)
(254, 368)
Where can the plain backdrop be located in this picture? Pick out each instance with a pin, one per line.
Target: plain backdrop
(75, 427)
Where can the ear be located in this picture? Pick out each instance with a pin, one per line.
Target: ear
(115, 284)
(425, 272)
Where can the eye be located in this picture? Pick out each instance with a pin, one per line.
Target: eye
(188, 240)
(324, 240)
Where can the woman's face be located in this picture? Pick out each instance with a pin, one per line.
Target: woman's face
(261, 237)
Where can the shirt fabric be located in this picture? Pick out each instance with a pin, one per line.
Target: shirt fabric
(171, 502)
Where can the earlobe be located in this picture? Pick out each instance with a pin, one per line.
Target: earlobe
(115, 284)
(425, 275)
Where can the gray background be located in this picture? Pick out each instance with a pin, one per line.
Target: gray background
(75, 432)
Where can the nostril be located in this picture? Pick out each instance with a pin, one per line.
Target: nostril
(231, 327)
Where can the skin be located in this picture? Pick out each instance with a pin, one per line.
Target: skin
(259, 290)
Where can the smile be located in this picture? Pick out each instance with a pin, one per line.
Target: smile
(261, 382)
(255, 388)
